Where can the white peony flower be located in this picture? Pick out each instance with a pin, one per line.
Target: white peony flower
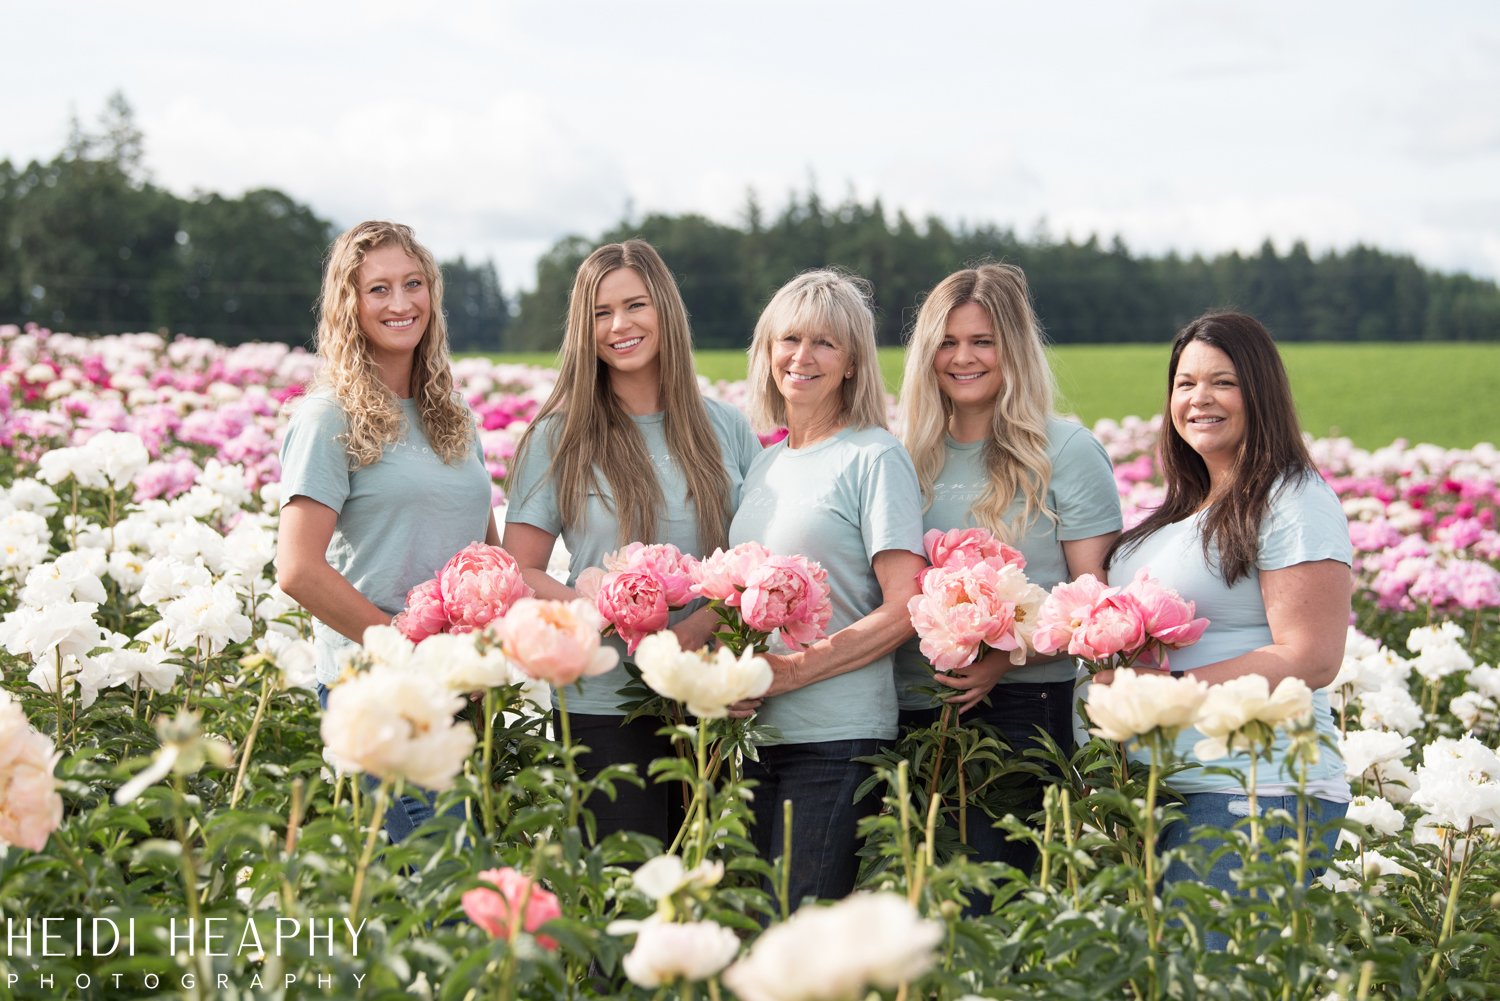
(1474, 711)
(1135, 703)
(1458, 783)
(395, 724)
(838, 952)
(666, 953)
(164, 578)
(115, 459)
(31, 495)
(707, 683)
(1364, 749)
(455, 661)
(212, 615)
(23, 542)
(1485, 680)
(73, 576)
(1379, 815)
(1236, 711)
(67, 626)
(1390, 709)
(133, 664)
(83, 673)
(664, 875)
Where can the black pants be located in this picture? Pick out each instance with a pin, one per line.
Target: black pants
(1016, 710)
(658, 809)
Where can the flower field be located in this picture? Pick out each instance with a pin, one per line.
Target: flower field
(171, 826)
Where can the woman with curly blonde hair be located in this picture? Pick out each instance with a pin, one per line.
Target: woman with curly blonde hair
(626, 449)
(990, 453)
(382, 475)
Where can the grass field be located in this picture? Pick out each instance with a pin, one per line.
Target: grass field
(1448, 394)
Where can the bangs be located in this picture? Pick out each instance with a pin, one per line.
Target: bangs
(816, 310)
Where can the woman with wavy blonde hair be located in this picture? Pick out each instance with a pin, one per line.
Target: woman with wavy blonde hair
(382, 475)
(626, 449)
(990, 453)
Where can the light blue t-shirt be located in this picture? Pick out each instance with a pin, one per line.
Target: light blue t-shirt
(1081, 492)
(838, 501)
(533, 501)
(1303, 524)
(399, 518)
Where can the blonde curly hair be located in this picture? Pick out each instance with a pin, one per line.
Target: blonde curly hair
(349, 372)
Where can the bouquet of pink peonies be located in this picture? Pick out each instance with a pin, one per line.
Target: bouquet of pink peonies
(974, 596)
(638, 587)
(473, 589)
(1116, 627)
(757, 593)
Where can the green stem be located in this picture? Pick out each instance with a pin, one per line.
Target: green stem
(57, 692)
(1450, 913)
(784, 888)
(260, 712)
(486, 778)
(187, 865)
(1153, 930)
(568, 764)
(381, 795)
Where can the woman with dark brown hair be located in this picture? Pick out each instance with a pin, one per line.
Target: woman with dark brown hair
(1252, 534)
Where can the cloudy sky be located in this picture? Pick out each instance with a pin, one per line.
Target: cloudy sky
(496, 128)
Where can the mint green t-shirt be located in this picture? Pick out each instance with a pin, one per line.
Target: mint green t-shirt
(838, 501)
(399, 518)
(1081, 492)
(533, 501)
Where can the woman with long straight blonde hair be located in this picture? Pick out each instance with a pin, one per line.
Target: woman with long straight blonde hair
(626, 449)
(990, 453)
(382, 476)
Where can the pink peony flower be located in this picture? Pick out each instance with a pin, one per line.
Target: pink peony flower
(478, 585)
(1065, 611)
(790, 594)
(511, 903)
(555, 641)
(964, 608)
(722, 576)
(667, 564)
(1116, 624)
(589, 581)
(424, 614)
(962, 547)
(30, 808)
(634, 603)
(1168, 617)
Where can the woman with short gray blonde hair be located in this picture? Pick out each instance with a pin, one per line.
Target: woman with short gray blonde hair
(839, 489)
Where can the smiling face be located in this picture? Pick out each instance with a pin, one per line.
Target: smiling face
(625, 324)
(967, 362)
(809, 369)
(394, 304)
(1208, 410)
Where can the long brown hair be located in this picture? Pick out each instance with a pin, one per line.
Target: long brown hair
(1015, 451)
(1272, 449)
(597, 436)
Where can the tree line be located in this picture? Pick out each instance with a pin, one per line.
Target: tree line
(91, 245)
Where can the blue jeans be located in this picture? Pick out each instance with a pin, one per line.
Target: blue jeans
(658, 809)
(408, 811)
(1213, 809)
(1017, 711)
(820, 779)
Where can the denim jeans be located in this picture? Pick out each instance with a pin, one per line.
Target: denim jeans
(820, 779)
(658, 809)
(1212, 809)
(1017, 711)
(410, 810)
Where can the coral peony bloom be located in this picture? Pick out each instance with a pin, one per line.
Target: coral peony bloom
(30, 808)
(634, 602)
(1168, 618)
(673, 569)
(424, 614)
(790, 594)
(479, 585)
(964, 547)
(511, 903)
(1065, 611)
(721, 577)
(1115, 625)
(555, 641)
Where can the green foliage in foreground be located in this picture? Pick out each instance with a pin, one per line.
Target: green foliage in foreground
(1372, 393)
